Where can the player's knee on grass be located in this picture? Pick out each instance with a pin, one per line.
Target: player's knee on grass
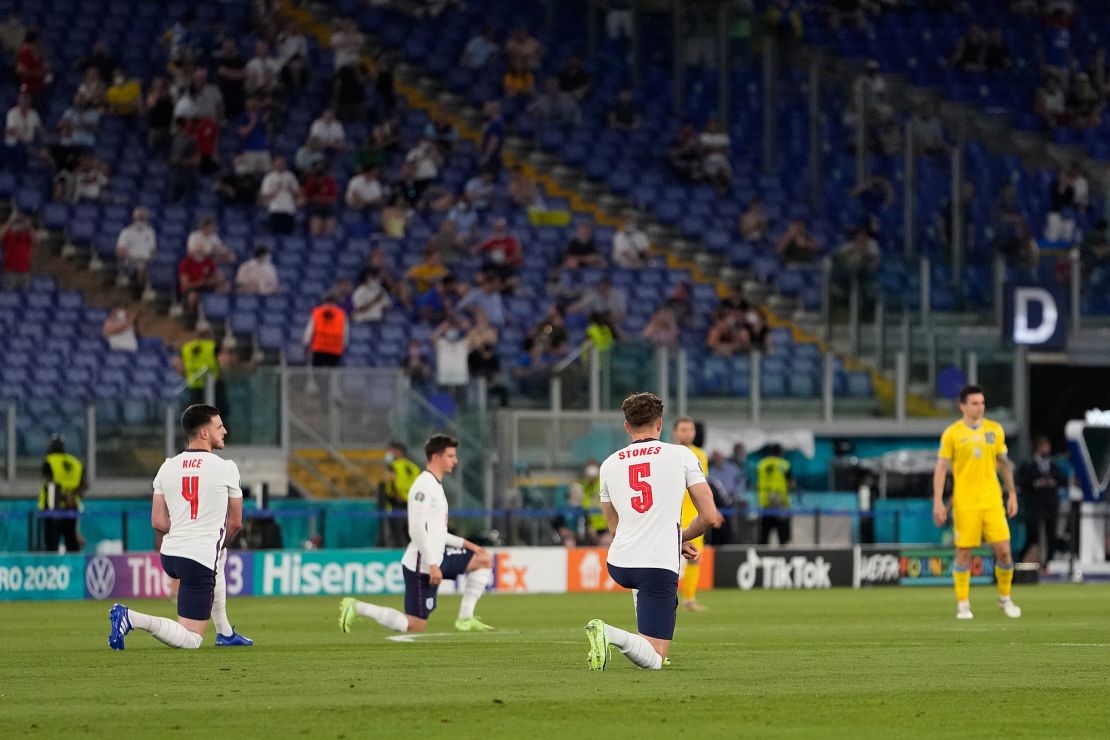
(417, 624)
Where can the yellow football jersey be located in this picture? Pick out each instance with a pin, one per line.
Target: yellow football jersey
(688, 510)
(974, 452)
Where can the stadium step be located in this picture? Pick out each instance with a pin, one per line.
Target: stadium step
(320, 473)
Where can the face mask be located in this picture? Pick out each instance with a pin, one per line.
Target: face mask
(389, 458)
(592, 471)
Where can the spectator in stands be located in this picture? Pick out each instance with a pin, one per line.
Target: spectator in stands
(433, 305)
(1094, 250)
(396, 288)
(575, 79)
(124, 97)
(320, 192)
(364, 190)
(197, 274)
(681, 303)
(254, 140)
(1099, 73)
(84, 120)
(625, 114)
(292, 55)
(524, 49)
(857, 258)
(442, 132)
(231, 76)
(1085, 105)
(796, 243)
(100, 59)
(384, 83)
(12, 32)
(326, 334)
(1040, 481)
(205, 239)
(370, 299)
(258, 274)
(483, 362)
(480, 190)
(874, 195)
(523, 191)
(1012, 235)
(662, 329)
(501, 252)
(997, 56)
(1051, 103)
(308, 155)
(22, 128)
(430, 270)
(449, 341)
(415, 365)
(727, 334)
(874, 89)
(928, 133)
(603, 299)
(329, 131)
(487, 296)
(346, 44)
(943, 220)
(135, 248)
(971, 50)
(425, 159)
(184, 163)
(716, 153)
(281, 194)
(263, 73)
(31, 68)
(1055, 52)
(493, 138)
(754, 223)
(518, 80)
(554, 106)
(118, 329)
(90, 179)
(205, 97)
(479, 49)
(550, 333)
(207, 133)
(582, 250)
(630, 244)
(395, 216)
(179, 39)
(684, 154)
(731, 472)
(159, 114)
(481, 333)
(17, 241)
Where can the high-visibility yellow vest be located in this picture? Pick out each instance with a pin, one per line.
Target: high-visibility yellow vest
(66, 471)
(197, 354)
(771, 480)
(405, 472)
(591, 498)
(601, 335)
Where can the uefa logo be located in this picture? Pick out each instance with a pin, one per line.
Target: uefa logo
(100, 577)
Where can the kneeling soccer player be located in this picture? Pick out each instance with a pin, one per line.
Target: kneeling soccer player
(433, 554)
(642, 489)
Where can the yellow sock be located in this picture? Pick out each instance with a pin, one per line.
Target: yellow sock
(962, 580)
(1004, 574)
(690, 581)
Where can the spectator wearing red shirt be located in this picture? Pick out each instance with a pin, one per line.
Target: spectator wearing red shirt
(501, 253)
(17, 238)
(320, 192)
(207, 134)
(31, 67)
(198, 274)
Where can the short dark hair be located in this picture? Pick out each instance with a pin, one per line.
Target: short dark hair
(197, 416)
(395, 445)
(970, 390)
(642, 409)
(682, 420)
(437, 444)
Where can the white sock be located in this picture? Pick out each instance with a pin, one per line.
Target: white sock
(635, 600)
(383, 615)
(165, 630)
(219, 604)
(634, 647)
(476, 582)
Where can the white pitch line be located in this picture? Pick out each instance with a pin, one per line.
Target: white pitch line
(424, 635)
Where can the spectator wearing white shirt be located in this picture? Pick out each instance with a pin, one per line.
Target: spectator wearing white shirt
(292, 54)
(346, 44)
(258, 274)
(364, 191)
(308, 156)
(280, 194)
(205, 241)
(425, 158)
(630, 244)
(263, 72)
(329, 131)
(480, 49)
(370, 300)
(119, 329)
(22, 128)
(135, 247)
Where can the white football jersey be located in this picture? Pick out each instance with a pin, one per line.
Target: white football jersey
(427, 515)
(197, 486)
(646, 482)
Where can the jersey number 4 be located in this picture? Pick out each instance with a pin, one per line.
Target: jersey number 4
(636, 475)
(190, 489)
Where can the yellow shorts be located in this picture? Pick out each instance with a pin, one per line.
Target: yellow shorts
(975, 526)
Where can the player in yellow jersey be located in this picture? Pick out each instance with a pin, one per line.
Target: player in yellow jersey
(684, 432)
(974, 449)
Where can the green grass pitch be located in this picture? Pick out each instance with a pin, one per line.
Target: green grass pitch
(883, 663)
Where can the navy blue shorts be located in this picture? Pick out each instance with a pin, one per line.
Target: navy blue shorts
(198, 586)
(420, 594)
(656, 600)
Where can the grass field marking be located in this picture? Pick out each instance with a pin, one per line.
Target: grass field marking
(423, 635)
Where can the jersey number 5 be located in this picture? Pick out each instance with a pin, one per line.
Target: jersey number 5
(636, 475)
(190, 488)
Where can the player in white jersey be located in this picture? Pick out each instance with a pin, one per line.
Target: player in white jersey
(198, 505)
(642, 488)
(433, 554)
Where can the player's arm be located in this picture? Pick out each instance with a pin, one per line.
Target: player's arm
(159, 514)
(940, 475)
(425, 534)
(234, 519)
(611, 517)
(701, 495)
(1006, 470)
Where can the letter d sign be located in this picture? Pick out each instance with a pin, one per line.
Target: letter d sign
(1036, 317)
